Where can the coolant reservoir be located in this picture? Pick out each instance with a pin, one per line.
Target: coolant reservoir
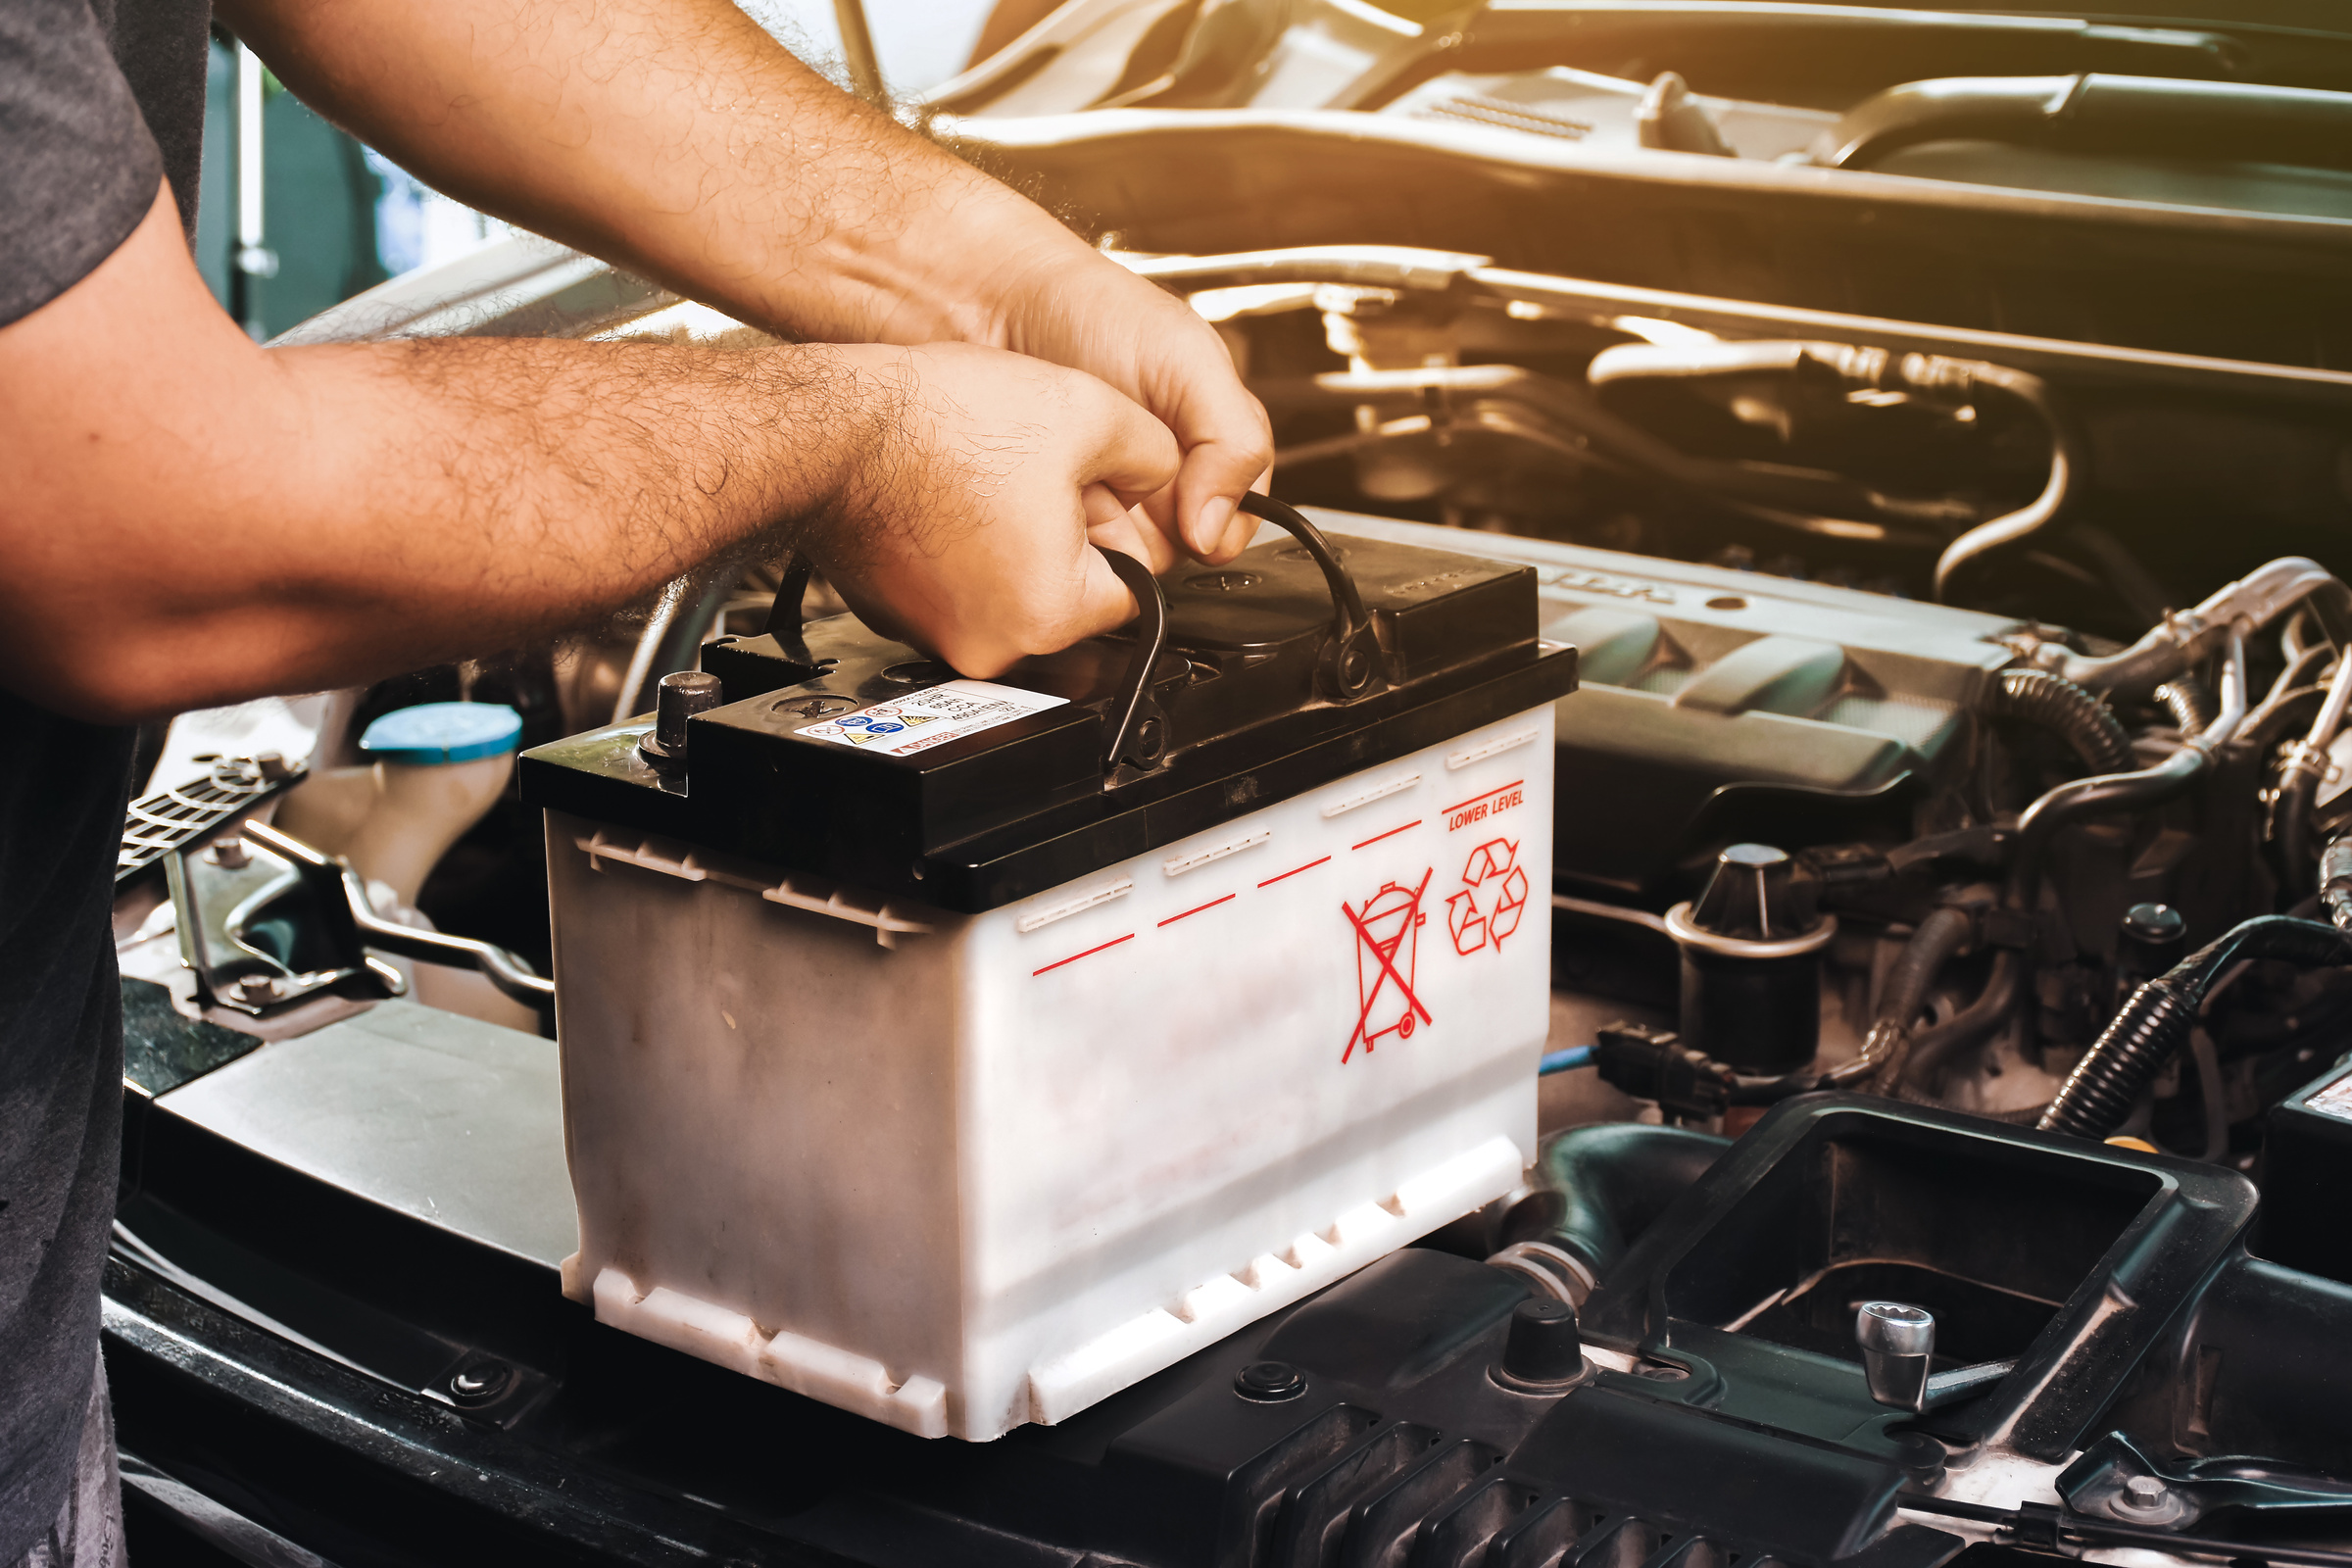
(961, 1052)
(433, 771)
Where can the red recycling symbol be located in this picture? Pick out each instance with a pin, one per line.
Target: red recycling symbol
(1492, 898)
(1387, 942)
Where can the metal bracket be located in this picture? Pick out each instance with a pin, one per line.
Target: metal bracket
(2117, 1479)
(277, 929)
(263, 933)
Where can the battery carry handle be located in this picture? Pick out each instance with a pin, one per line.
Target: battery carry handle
(1139, 730)
(784, 615)
(1352, 665)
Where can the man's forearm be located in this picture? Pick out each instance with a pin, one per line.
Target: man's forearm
(674, 137)
(420, 494)
(188, 518)
(244, 522)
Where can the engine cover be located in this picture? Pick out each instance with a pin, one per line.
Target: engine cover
(1717, 704)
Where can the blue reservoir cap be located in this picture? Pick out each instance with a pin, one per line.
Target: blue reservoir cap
(435, 733)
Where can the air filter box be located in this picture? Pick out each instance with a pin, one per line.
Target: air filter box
(960, 1052)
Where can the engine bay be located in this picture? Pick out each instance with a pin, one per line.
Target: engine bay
(1942, 485)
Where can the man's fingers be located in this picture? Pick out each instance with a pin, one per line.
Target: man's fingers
(1102, 319)
(1128, 529)
(1026, 578)
(1141, 540)
(1216, 473)
(1135, 454)
(1100, 506)
(1190, 381)
(1108, 605)
(1228, 445)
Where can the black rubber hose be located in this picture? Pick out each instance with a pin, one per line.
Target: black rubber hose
(1912, 974)
(2138, 790)
(1944, 933)
(2100, 115)
(1932, 1048)
(2054, 703)
(1613, 1179)
(1783, 497)
(2067, 455)
(2291, 819)
(2116, 1071)
(2107, 1082)
(1887, 1048)
(2090, 797)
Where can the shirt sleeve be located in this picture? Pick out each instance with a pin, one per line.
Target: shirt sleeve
(79, 169)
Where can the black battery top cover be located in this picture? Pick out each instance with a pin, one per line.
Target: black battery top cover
(842, 754)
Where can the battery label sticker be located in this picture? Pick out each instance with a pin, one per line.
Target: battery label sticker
(2335, 1099)
(921, 720)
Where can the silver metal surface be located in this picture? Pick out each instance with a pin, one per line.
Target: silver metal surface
(230, 912)
(456, 1122)
(1555, 1270)
(1895, 1327)
(1965, 1381)
(1897, 1342)
(187, 814)
(1611, 912)
(1689, 933)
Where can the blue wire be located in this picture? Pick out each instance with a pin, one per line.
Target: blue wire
(1561, 1060)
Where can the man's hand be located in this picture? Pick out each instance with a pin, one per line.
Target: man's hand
(1094, 314)
(675, 138)
(969, 529)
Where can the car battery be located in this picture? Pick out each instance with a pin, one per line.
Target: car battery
(2306, 1170)
(960, 1052)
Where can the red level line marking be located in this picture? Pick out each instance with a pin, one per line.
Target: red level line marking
(1210, 905)
(1389, 834)
(1293, 871)
(1497, 790)
(1075, 957)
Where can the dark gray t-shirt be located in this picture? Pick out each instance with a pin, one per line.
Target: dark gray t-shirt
(99, 101)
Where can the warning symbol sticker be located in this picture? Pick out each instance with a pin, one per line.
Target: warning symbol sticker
(1387, 944)
(1492, 898)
